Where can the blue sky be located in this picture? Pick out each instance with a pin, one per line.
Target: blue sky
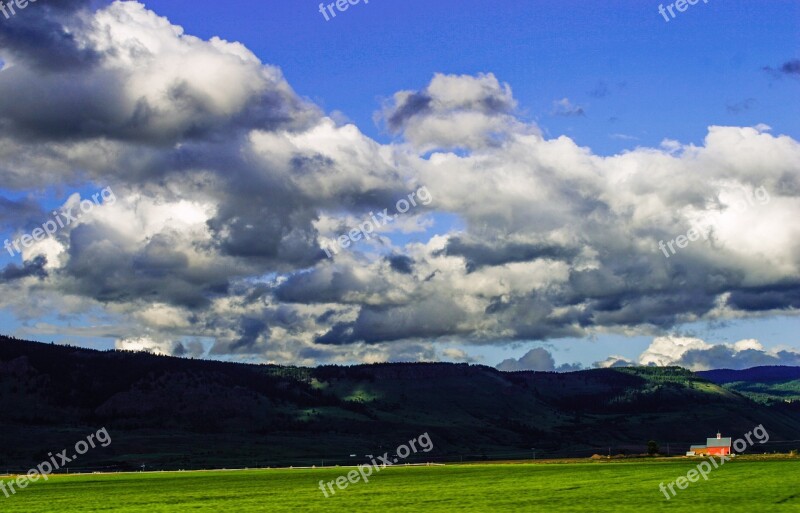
(611, 77)
(635, 74)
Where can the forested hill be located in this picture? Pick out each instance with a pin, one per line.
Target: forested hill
(768, 385)
(167, 412)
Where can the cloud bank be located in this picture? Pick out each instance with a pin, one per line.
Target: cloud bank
(688, 352)
(697, 354)
(227, 182)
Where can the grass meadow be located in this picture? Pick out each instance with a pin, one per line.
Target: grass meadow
(744, 485)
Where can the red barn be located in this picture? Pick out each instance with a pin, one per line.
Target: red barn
(714, 446)
(719, 446)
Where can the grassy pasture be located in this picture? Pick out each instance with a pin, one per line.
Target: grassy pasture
(745, 485)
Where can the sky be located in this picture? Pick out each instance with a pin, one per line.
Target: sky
(554, 148)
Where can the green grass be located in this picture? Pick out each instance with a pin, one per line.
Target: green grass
(743, 485)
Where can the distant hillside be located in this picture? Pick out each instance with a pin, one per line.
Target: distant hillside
(763, 374)
(768, 385)
(167, 412)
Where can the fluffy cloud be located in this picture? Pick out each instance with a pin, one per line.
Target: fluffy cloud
(668, 350)
(453, 112)
(146, 82)
(613, 362)
(566, 108)
(537, 359)
(697, 354)
(227, 182)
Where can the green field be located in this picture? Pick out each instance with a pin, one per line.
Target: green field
(744, 485)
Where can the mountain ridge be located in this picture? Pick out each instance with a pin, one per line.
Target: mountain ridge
(171, 412)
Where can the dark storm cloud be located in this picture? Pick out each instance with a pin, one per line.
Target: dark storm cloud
(622, 292)
(479, 253)
(531, 318)
(662, 310)
(339, 334)
(273, 232)
(250, 330)
(32, 113)
(773, 297)
(329, 285)
(313, 353)
(250, 333)
(191, 349)
(401, 264)
(424, 319)
(35, 267)
(101, 267)
(627, 298)
(43, 35)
